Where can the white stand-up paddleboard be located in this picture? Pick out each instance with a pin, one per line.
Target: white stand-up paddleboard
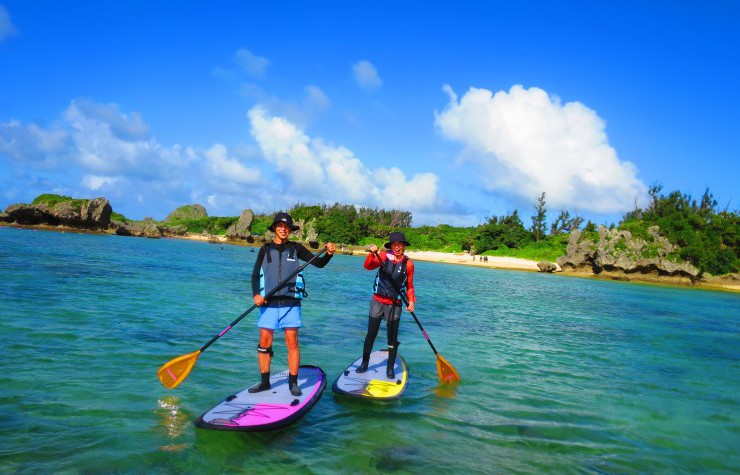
(373, 383)
(273, 408)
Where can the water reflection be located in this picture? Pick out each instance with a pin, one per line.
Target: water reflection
(172, 422)
(447, 391)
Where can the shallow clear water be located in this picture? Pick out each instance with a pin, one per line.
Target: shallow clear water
(559, 375)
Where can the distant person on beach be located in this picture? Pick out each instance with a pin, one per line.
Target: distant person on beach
(275, 261)
(386, 302)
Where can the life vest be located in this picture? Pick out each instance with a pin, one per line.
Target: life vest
(383, 286)
(273, 275)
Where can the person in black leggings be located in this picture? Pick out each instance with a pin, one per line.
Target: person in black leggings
(386, 302)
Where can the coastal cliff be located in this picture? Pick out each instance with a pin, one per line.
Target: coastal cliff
(618, 255)
(93, 215)
(96, 215)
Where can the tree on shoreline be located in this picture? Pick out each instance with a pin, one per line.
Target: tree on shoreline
(506, 231)
(707, 238)
(704, 236)
(564, 224)
(539, 220)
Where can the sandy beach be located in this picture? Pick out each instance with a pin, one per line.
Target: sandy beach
(497, 262)
(725, 283)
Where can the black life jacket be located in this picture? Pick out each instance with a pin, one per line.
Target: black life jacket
(272, 276)
(383, 285)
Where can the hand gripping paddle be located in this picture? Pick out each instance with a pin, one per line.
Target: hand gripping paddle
(175, 371)
(447, 374)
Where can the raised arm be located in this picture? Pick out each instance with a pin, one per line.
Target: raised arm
(306, 255)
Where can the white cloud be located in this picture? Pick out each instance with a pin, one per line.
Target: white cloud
(287, 148)
(96, 147)
(7, 29)
(224, 168)
(30, 144)
(366, 75)
(326, 172)
(526, 142)
(300, 111)
(129, 127)
(394, 191)
(95, 182)
(251, 63)
(315, 98)
(110, 143)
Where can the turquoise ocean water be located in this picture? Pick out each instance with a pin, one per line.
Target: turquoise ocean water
(559, 375)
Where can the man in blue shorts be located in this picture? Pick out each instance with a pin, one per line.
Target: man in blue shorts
(276, 261)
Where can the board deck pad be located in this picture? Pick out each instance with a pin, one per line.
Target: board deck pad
(373, 384)
(272, 409)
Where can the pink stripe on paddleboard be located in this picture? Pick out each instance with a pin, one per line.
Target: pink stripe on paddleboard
(266, 413)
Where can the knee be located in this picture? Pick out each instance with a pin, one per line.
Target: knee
(291, 342)
(265, 340)
(293, 347)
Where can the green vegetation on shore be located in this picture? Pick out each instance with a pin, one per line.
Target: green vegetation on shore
(707, 237)
(52, 200)
(211, 224)
(702, 234)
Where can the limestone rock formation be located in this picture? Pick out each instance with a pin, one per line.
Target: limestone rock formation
(619, 254)
(546, 266)
(312, 237)
(178, 230)
(242, 229)
(92, 214)
(147, 228)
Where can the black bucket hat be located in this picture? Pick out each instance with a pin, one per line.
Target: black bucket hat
(397, 237)
(283, 218)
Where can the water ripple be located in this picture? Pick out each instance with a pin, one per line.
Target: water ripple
(559, 375)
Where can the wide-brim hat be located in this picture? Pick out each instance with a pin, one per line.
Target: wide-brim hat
(397, 237)
(283, 218)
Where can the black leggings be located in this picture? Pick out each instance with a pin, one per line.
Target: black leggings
(373, 325)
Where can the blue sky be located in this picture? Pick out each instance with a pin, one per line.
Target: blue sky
(456, 111)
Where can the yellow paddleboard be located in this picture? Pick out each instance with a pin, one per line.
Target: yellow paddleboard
(373, 383)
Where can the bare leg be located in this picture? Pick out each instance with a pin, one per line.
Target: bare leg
(294, 351)
(266, 336)
(264, 355)
(294, 359)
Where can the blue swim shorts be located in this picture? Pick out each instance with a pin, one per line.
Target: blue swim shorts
(280, 317)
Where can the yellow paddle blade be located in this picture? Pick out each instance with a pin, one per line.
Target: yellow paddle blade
(175, 371)
(447, 374)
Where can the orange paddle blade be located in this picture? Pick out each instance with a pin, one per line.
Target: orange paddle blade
(447, 374)
(175, 371)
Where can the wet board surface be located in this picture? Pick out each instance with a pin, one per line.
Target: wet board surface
(373, 384)
(272, 409)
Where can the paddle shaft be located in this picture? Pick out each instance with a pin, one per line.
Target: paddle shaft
(267, 296)
(405, 300)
